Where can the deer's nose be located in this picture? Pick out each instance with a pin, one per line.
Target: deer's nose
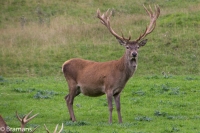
(134, 54)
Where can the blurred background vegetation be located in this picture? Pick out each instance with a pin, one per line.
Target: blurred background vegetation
(37, 37)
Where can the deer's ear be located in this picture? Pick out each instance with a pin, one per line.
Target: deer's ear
(143, 42)
(121, 42)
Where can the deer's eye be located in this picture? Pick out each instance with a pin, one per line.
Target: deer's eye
(127, 47)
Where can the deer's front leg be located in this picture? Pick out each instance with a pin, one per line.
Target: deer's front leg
(110, 106)
(117, 102)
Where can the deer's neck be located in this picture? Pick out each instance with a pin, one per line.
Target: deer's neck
(128, 65)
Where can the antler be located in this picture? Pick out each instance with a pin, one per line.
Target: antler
(153, 18)
(105, 20)
(24, 121)
(55, 129)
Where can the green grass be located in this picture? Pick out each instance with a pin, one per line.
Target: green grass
(158, 103)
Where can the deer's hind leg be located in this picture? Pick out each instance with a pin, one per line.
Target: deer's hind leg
(73, 92)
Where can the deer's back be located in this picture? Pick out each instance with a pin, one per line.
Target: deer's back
(75, 68)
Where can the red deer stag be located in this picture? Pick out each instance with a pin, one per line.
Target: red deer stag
(99, 78)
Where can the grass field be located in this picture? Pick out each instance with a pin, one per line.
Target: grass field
(149, 104)
(36, 37)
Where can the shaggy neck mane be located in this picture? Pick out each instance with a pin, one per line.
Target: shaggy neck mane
(127, 65)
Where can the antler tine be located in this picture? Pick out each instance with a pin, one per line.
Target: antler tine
(108, 15)
(105, 20)
(46, 129)
(148, 11)
(18, 117)
(152, 24)
(61, 128)
(55, 129)
(34, 129)
(104, 17)
(27, 120)
(158, 10)
(126, 39)
(24, 120)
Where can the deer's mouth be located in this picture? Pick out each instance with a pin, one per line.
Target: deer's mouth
(133, 58)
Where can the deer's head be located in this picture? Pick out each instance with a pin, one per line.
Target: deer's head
(131, 46)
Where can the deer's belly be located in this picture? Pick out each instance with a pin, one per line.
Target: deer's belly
(92, 91)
